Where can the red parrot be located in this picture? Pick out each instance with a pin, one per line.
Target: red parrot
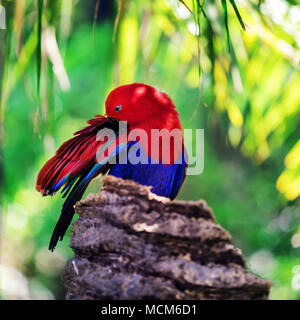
(87, 154)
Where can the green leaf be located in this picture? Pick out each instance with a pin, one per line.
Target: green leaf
(40, 5)
(201, 7)
(225, 12)
(238, 14)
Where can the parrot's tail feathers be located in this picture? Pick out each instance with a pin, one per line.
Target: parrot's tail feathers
(75, 193)
(68, 211)
(61, 227)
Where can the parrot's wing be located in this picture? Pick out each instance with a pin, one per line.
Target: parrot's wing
(75, 193)
(73, 157)
(74, 165)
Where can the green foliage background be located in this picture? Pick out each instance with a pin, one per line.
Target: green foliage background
(59, 60)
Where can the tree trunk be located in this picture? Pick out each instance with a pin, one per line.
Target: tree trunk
(132, 244)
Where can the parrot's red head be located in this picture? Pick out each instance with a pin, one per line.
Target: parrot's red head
(142, 106)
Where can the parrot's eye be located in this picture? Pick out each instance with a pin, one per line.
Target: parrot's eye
(118, 108)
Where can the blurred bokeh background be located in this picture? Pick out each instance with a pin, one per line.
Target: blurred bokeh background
(58, 61)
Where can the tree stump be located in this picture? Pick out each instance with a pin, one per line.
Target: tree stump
(131, 244)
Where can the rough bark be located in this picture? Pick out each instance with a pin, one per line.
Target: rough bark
(132, 244)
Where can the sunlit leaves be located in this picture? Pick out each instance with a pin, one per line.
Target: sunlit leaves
(128, 42)
(289, 181)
